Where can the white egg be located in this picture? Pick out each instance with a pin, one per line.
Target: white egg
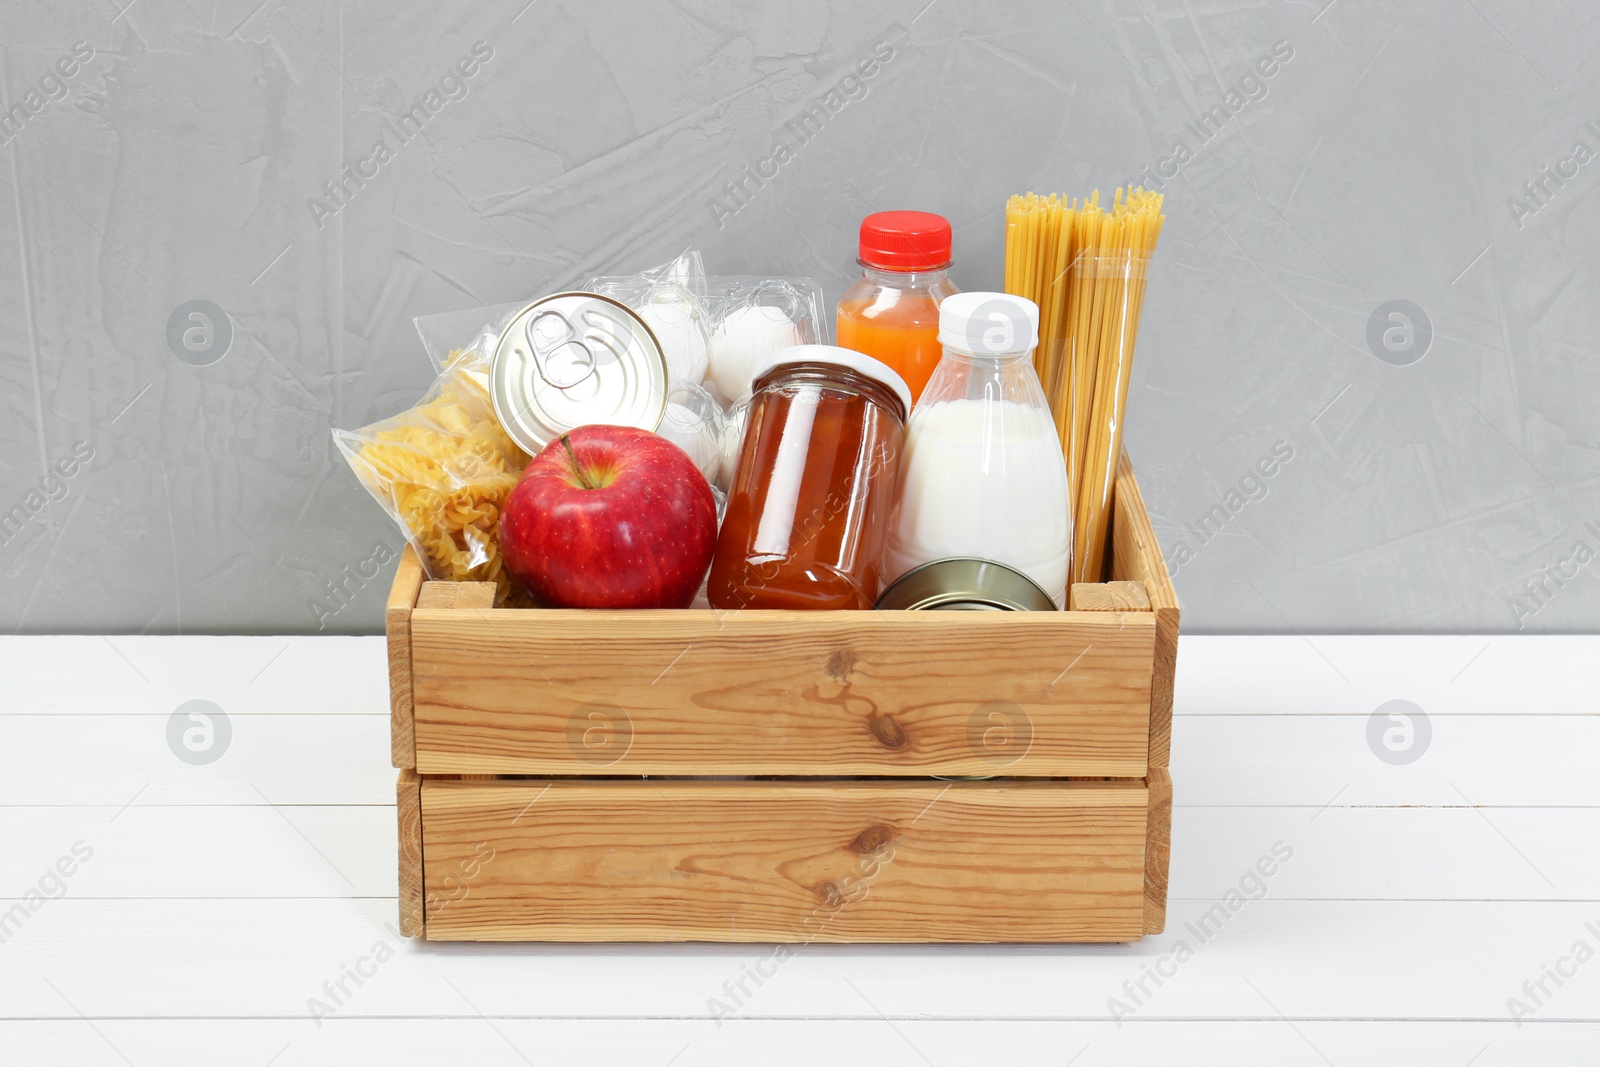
(683, 339)
(746, 335)
(694, 423)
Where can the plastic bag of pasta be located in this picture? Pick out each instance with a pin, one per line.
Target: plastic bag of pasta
(443, 470)
(446, 334)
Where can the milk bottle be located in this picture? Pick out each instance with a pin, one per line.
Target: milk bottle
(982, 474)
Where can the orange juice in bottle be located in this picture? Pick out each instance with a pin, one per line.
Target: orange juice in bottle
(891, 313)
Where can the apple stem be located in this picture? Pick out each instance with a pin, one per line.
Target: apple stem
(577, 468)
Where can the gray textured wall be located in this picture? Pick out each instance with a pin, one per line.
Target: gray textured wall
(1388, 159)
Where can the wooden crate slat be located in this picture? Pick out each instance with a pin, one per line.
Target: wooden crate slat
(1157, 850)
(1136, 556)
(408, 812)
(772, 692)
(838, 861)
(397, 630)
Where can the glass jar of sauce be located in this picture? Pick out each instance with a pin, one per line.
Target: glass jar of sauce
(809, 506)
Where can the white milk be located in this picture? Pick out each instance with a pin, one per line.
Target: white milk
(984, 478)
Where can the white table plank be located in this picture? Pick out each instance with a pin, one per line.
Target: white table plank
(1320, 675)
(1318, 759)
(241, 851)
(115, 759)
(906, 1043)
(1313, 959)
(145, 675)
(1350, 853)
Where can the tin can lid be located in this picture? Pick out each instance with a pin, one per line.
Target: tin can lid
(574, 359)
(964, 583)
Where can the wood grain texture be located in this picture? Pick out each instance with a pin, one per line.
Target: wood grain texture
(397, 632)
(1108, 596)
(790, 862)
(1058, 694)
(456, 595)
(1136, 556)
(1157, 849)
(408, 812)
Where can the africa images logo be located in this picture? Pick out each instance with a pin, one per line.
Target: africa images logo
(804, 127)
(353, 177)
(1251, 87)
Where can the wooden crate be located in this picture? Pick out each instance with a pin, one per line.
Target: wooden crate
(785, 776)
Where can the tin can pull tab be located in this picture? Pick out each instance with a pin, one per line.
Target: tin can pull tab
(563, 358)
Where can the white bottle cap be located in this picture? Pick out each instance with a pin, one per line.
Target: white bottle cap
(839, 357)
(989, 324)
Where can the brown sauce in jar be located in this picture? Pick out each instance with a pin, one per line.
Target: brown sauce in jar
(809, 507)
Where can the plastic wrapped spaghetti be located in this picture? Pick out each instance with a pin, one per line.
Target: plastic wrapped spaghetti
(443, 470)
(1085, 266)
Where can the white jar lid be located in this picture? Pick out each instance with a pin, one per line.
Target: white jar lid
(989, 324)
(839, 357)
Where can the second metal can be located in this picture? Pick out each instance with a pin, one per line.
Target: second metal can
(964, 584)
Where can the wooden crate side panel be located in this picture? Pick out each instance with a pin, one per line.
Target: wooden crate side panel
(1108, 596)
(397, 635)
(576, 860)
(1157, 850)
(768, 692)
(456, 595)
(1136, 556)
(408, 811)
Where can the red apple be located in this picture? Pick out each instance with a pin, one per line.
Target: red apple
(610, 517)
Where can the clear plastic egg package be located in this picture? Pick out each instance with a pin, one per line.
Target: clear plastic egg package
(670, 299)
(751, 317)
(714, 328)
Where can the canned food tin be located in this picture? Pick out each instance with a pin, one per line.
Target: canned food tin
(964, 584)
(572, 359)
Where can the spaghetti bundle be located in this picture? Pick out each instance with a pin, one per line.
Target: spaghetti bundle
(1085, 267)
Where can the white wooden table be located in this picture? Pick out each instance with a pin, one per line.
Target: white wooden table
(220, 906)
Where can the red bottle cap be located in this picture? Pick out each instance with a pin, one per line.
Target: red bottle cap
(905, 241)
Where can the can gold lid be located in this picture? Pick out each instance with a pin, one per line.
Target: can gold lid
(964, 583)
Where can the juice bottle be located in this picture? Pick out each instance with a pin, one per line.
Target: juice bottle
(891, 313)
